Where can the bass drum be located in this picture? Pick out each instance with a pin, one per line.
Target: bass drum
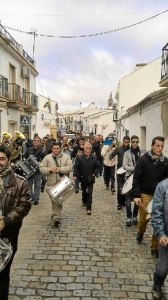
(62, 190)
(127, 187)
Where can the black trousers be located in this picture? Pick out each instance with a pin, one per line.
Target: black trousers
(87, 191)
(5, 275)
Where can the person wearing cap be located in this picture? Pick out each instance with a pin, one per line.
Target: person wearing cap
(108, 165)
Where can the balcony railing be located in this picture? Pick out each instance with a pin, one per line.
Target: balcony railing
(30, 99)
(11, 41)
(164, 63)
(3, 86)
(14, 92)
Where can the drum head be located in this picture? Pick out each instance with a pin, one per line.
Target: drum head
(121, 171)
(127, 187)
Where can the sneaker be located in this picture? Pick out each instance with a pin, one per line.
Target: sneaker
(76, 191)
(157, 292)
(128, 222)
(155, 253)
(88, 212)
(119, 207)
(139, 237)
(107, 188)
(57, 222)
(113, 190)
(36, 202)
(134, 221)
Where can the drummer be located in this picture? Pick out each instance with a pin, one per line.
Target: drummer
(54, 165)
(129, 162)
(119, 151)
(151, 168)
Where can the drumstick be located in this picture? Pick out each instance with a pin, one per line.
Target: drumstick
(142, 206)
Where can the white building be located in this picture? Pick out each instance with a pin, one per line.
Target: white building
(47, 118)
(18, 100)
(136, 86)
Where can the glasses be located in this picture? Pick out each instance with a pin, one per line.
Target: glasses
(135, 142)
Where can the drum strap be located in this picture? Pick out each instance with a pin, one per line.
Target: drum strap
(57, 164)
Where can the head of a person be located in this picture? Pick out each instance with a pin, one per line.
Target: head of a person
(134, 141)
(157, 145)
(56, 148)
(87, 148)
(26, 135)
(4, 158)
(36, 142)
(96, 138)
(81, 141)
(65, 140)
(126, 141)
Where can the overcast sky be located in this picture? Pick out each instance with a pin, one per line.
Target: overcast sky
(87, 69)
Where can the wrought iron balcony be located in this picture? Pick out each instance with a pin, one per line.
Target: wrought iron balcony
(164, 67)
(3, 86)
(14, 92)
(30, 99)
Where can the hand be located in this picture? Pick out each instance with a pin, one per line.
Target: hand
(2, 224)
(137, 201)
(163, 240)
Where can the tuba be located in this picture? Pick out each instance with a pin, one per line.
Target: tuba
(17, 143)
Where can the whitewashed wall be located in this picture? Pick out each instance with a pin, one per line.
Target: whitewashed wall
(136, 86)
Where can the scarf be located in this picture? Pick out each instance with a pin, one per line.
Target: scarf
(58, 156)
(136, 152)
(155, 157)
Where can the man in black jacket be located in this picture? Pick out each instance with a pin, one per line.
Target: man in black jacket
(85, 169)
(151, 168)
(77, 150)
(35, 181)
(119, 152)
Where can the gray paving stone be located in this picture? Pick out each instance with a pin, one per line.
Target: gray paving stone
(87, 258)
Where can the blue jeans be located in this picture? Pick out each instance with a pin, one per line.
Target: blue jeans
(109, 175)
(34, 183)
(129, 213)
(162, 266)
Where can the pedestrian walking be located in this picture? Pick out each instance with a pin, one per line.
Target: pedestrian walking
(77, 150)
(108, 165)
(129, 162)
(34, 181)
(159, 222)
(119, 152)
(14, 206)
(86, 168)
(53, 166)
(151, 168)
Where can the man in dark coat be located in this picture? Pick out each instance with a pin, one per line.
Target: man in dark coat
(34, 181)
(151, 168)
(85, 169)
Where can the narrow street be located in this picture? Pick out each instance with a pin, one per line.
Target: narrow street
(87, 257)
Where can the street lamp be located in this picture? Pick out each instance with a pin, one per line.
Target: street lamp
(42, 117)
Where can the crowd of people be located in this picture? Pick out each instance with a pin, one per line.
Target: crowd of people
(83, 160)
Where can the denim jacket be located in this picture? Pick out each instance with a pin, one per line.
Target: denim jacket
(159, 215)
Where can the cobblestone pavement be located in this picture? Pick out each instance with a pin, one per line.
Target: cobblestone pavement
(87, 257)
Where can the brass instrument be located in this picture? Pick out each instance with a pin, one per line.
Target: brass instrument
(11, 143)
